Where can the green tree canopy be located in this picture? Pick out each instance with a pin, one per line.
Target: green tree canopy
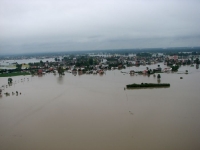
(197, 60)
(91, 61)
(60, 70)
(158, 76)
(18, 66)
(10, 80)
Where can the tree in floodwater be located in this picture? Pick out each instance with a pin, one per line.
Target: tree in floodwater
(158, 76)
(60, 71)
(175, 68)
(197, 61)
(10, 81)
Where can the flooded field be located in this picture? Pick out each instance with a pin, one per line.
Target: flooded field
(93, 112)
(10, 64)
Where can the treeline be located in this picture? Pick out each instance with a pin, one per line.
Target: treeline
(143, 85)
(195, 50)
(144, 54)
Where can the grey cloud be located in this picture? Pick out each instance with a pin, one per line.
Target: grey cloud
(86, 24)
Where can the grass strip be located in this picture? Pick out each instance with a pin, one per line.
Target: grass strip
(14, 74)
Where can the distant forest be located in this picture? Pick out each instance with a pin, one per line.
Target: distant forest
(168, 51)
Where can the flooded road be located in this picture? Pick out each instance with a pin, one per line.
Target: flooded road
(95, 112)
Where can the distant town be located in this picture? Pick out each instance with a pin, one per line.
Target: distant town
(96, 62)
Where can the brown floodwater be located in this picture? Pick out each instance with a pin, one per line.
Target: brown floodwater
(93, 112)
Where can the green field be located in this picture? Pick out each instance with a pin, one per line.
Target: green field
(14, 74)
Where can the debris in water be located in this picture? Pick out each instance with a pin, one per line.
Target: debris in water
(130, 112)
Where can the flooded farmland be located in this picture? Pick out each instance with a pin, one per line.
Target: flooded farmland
(86, 112)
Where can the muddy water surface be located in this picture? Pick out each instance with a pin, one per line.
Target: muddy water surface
(90, 112)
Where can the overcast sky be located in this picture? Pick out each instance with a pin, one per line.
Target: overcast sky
(66, 25)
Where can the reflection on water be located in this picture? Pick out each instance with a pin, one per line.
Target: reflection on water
(95, 112)
(197, 66)
(60, 79)
(74, 73)
(158, 80)
(80, 73)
